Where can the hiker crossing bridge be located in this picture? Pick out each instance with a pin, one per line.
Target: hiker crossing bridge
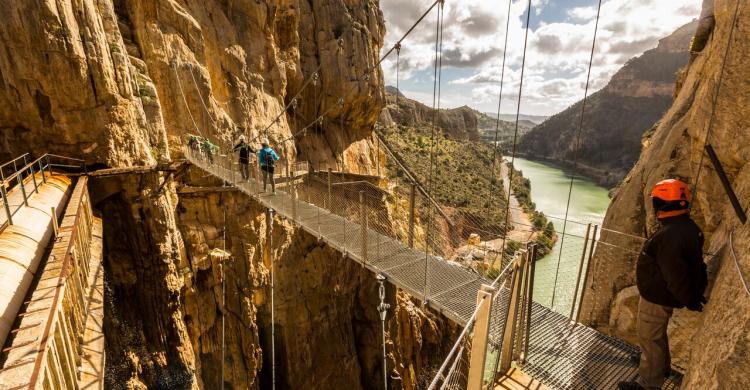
(560, 353)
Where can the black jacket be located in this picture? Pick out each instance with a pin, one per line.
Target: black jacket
(245, 152)
(670, 270)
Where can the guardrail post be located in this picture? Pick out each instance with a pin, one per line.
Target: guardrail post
(41, 169)
(511, 319)
(293, 193)
(530, 268)
(33, 178)
(55, 225)
(479, 338)
(23, 189)
(412, 199)
(580, 269)
(330, 184)
(586, 274)
(5, 202)
(363, 225)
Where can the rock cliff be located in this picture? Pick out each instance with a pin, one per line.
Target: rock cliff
(120, 83)
(616, 116)
(713, 346)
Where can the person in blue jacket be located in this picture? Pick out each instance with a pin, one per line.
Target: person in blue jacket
(267, 158)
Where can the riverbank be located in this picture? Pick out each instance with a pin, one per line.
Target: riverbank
(601, 177)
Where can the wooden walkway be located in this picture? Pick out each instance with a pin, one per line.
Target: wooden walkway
(562, 354)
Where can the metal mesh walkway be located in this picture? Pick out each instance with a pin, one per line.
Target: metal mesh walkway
(563, 355)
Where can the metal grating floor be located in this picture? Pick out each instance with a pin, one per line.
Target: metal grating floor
(562, 355)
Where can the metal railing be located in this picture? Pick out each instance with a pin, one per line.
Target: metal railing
(46, 351)
(21, 177)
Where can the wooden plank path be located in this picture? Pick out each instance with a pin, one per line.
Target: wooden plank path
(562, 354)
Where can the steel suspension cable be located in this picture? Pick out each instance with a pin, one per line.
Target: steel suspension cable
(716, 97)
(577, 152)
(497, 131)
(223, 297)
(435, 117)
(184, 99)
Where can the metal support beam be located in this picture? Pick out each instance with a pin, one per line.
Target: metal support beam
(330, 184)
(727, 186)
(511, 319)
(580, 270)
(4, 195)
(363, 225)
(479, 338)
(586, 273)
(23, 190)
(530, 269)
(412, 199)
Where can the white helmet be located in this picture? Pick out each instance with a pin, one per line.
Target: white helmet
(265, 142)
(242, 138)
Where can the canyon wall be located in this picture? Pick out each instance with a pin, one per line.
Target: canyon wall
(616, 116)
(122, 83)
(713, 346)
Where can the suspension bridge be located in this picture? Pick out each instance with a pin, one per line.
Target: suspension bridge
(353, 218)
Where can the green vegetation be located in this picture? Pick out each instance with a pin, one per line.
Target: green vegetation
(462, 173)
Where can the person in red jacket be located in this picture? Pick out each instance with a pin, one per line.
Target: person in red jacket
(670, 274)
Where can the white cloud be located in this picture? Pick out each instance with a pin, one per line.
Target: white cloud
(558, 50)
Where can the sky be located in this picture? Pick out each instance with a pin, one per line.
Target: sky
(558, 49)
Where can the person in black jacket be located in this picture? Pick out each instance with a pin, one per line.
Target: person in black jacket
(245, 152)
(670, 274)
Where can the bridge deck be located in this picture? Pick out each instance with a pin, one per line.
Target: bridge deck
(561, 355)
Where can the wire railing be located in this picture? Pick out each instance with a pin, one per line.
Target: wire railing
(22, 177)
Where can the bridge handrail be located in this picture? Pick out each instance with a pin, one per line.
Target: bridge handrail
(77, 244)
(25, 174)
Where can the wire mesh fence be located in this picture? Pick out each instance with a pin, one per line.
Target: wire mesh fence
(388, 233)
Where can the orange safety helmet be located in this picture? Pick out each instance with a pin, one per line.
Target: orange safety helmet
(671, 198)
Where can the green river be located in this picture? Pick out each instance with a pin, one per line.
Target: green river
(549, 190)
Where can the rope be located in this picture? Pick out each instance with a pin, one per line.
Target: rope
(737, 263)
(518, 115)
(497, 124)
(577, 150)
(435, 115)
(716, 97)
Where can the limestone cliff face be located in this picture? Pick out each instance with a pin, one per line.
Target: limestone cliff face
(713, 346)
(457, 123)
(616, 116)
(121, 82)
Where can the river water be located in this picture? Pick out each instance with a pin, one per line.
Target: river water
(588, 204)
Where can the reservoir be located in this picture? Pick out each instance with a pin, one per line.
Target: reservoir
(588, 204)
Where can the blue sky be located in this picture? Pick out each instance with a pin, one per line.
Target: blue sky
(557, 56)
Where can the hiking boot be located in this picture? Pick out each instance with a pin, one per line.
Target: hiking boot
(630, 386)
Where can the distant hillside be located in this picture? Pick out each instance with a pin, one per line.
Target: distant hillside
(533, 119)
(488, 122)
(462, 123)
(616, 116)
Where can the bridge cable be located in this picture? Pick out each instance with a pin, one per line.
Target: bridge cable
(184, 99)
(223, 296)
(577, 153)
(433, 147)
(497, 131)
(273, 323)
(716, 98)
